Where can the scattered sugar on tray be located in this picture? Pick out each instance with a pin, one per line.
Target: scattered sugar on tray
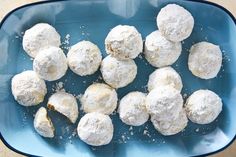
(93, 148)
(225, 56)
(140, 56)
(59, 86)
(66, 42)
(146, 133)
(185, 95)
(123, 138)
(99, 79)
(114, 113)
(79, 96)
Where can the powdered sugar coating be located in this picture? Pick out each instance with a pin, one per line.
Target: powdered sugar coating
(95, 129)
(205, 60)
(84, 58)
(65, 104)
(175, 23)
(43, 124)
(39, 37)
(28, 89)
(163, 77)
(124, 42)
(132, 109)
(170, 127)
(165, 102)
(100, 98)
(118, 73)
(203, 106)
(50, 64)
(159, 51)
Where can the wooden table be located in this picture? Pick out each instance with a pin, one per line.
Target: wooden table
(7, 5)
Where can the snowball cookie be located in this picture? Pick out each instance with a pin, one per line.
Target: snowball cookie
(175, 23)
(163, 77)
(165, 102)
(99, 97)
(50, 64)
(65, 104)
(205, 60)
(124, 42)
(84, 58)
(95, 129)
(28, 89)
(118, 73)
(39, 37)
(43, 124)
(170, 127)
(159, 51)
(203, 106)
(132, 109)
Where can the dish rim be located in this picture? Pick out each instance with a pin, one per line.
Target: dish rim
(49, 1)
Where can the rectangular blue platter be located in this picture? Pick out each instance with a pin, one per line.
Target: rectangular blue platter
(92, 20)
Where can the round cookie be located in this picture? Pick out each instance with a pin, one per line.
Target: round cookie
(203, 106)
(118, 73)
(205, 60)
(28, 89)
(172, 127)
(159, 51)
(163, 77)
(84, 58)
(100, 98)
(175, 23)
(132, 109)
(43, 124)
(124, 42)
(50, 64)
(39, 37)
(165, 102)
(95, 129)
(65, 104)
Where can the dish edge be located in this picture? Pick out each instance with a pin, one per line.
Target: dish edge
(49, 1)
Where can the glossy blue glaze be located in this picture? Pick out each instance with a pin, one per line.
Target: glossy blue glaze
(92, 20)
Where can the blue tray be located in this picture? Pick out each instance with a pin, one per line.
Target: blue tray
(92, 20)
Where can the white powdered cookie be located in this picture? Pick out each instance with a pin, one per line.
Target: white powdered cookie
(84, 58)
(65, 104)
(205, 60)
(43, 124)
(132, 109)
(170, 127)
(95, 129)
(175, 23)
(163, 77)
(100, 98)
(39, 37)
(203, 106)
(28, 88)
(124, 42)
(165, 102)
(50, 64)
(159, 51)
(118, 73)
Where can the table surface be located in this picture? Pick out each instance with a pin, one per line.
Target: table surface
(7, 5)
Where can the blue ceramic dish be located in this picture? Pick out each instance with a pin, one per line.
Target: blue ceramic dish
(92, 20)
